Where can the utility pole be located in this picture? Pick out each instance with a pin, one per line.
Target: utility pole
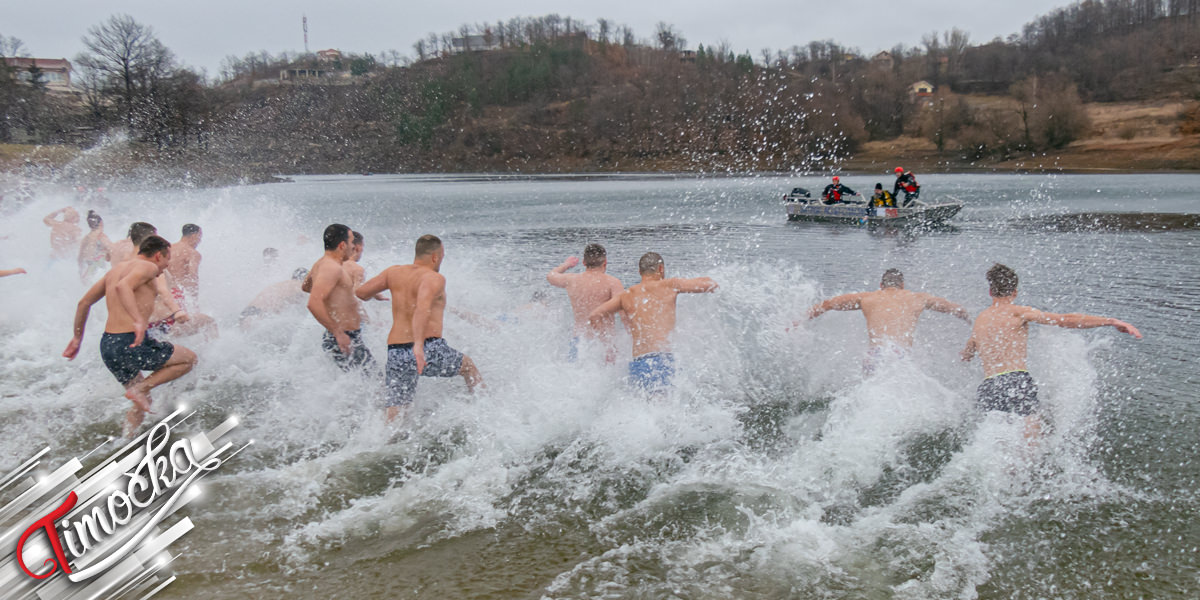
(304, 21)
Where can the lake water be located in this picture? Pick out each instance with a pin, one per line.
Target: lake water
(774, 470)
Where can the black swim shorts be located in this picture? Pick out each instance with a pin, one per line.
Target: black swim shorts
(125, 363)
(1012, 392)
(440, 361)
(358, 358)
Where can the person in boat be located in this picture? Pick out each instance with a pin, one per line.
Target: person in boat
(882, 198)
(1000, 336)
(891, 312)
(906, 182)
(836, 193)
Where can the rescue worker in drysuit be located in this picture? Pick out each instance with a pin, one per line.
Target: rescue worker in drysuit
(906, 182)
(836, 193)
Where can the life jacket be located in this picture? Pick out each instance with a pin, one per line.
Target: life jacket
(908, 182)
(832, 193)
(883, 198)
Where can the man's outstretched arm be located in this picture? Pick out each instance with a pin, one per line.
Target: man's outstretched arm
(695, 285)
(943, 305)
(1080, 321)
(843, 302)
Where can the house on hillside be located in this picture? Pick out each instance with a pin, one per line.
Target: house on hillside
(920, 89)
(329, 56)
(55, 72)
(884, 60)
(473, 43)
(300, 75)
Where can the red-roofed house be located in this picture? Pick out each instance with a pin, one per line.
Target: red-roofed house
(56, 72)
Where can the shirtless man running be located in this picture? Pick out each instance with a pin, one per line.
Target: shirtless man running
(64, 234)
(891, 312)
(648, 310)
(332, 302)
(124, 249)
(129, 291)
(1000, 337)
(185, 262)
(587, 291)
(418, 309)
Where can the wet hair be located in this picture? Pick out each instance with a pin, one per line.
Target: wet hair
(358, 238)
(270, 253)
(153, 245)
(649, 262)
(540, 296)
(140, 231)
(336, 234)
(594, 255)
(1002, 281)
(93, 220)
(300, 273)
(190, 229)
(892, 278)
(427, 245)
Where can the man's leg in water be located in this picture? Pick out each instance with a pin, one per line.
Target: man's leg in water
(470, 374)
(182, 360)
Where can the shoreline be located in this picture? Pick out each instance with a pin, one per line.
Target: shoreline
(72, 166)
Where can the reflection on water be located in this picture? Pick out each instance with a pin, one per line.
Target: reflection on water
(774, 470)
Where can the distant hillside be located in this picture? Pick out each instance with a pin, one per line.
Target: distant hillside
(550, 94)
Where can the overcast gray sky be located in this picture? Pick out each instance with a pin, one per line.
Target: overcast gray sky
(202, 32)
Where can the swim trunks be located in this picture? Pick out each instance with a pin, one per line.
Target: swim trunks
(251, 312)
(652, 371)
(401, 377)
(162, 327)
(359, 357)
(573, 349)
(1012, 391)
(125, 363)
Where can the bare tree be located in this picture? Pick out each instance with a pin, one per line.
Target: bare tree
(125, 51)
(12, 47)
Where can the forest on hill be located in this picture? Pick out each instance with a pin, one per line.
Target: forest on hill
(549, 94)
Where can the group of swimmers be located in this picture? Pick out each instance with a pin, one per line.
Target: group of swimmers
(999, 334)
(151, 279)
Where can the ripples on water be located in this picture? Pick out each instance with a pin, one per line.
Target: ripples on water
(775, 470)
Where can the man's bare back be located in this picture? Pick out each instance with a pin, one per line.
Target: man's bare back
(587, 291)
(121, 250)
(649, 308)
(891, 313)
(185, 268)
(1001, 333)
(64, 234)
(119, 319)
(406, 283)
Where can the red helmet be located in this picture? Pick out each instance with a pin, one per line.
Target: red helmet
(899, 169)
(835, 179)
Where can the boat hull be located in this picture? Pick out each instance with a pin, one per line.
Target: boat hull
(925, 214)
